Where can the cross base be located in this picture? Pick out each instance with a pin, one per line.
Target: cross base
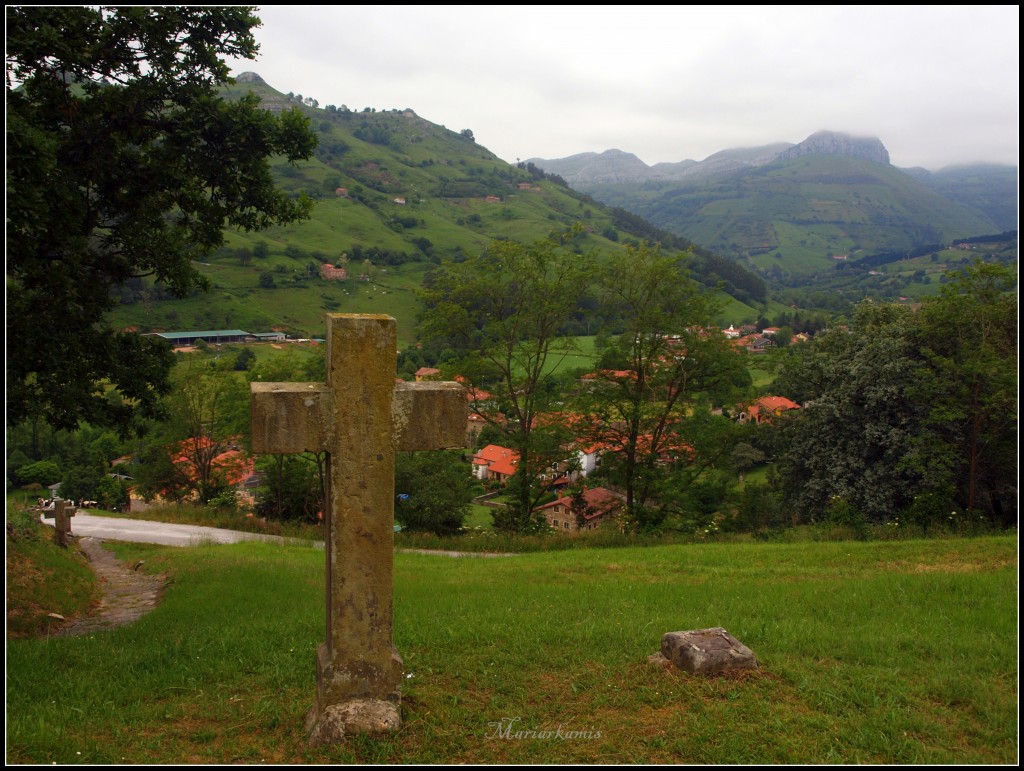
(360, 716)
(353, 697)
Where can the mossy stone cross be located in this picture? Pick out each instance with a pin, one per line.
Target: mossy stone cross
(361, 417)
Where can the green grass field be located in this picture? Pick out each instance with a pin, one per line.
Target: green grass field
(870, 653)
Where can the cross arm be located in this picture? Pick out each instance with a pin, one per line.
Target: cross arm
(429, 416)
(289, 417)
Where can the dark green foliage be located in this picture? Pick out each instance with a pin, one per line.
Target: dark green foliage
(244, 360)
(112, 494)
(123, 161)
(908, 411)
(82, 480)
(858, 422)
(433, 491)
(292, 487)
(43, 472)
(16, 461)
(758, 509)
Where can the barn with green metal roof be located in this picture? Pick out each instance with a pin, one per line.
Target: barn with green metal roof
(212, 336)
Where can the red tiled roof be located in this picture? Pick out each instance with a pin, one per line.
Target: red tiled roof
(775, 403)
(600, 500)
(500, 460)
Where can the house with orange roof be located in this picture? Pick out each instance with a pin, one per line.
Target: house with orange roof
(427, 373)
(601, 505)
(765, 408)
(495, 462)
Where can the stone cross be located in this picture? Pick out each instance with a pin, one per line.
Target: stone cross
(62, 512)
(361, 417)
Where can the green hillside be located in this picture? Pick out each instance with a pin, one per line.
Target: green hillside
(394, 194)
(794, 217)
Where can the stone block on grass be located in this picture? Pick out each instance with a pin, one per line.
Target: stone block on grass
(706, 651)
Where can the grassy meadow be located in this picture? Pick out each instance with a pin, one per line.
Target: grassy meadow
(879, 652)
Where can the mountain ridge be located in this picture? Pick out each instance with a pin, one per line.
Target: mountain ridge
(832, 193)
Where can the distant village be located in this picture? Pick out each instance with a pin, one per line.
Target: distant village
(494, 465)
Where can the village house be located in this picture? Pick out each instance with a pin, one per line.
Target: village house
(589, 458)
(601, 506)
(332, 273)
(755, 343)
(496, 463)
(427, 373)
(474, 425)
(765, 408)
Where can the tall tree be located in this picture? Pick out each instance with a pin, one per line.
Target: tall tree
(502, 316)
(640, 405)
(123, 161)
(210, 408)
(968, 336)
(859, 421)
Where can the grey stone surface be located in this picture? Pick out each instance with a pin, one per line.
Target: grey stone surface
(706, 651)
(359, 716)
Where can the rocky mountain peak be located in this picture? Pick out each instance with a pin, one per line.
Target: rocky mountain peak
(835, 143)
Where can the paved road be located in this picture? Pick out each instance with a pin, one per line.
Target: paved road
(143, 531)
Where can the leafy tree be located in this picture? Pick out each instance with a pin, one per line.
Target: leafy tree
(746, 456)
(16, 461)
(112, 494)
(244, 360)
(267, 280)
(968, 337)
(209, 411)
(157, 474)
(859, 421)
(434, 491)
(502, 315)
(293, 487)
(580, 508)
(82, 479)
(123, 161)
(910, 412)
(640, 407)
(42, 472)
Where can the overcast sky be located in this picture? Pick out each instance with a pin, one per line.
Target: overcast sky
(939, 85)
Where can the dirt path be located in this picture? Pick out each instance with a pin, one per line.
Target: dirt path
(127, 594)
